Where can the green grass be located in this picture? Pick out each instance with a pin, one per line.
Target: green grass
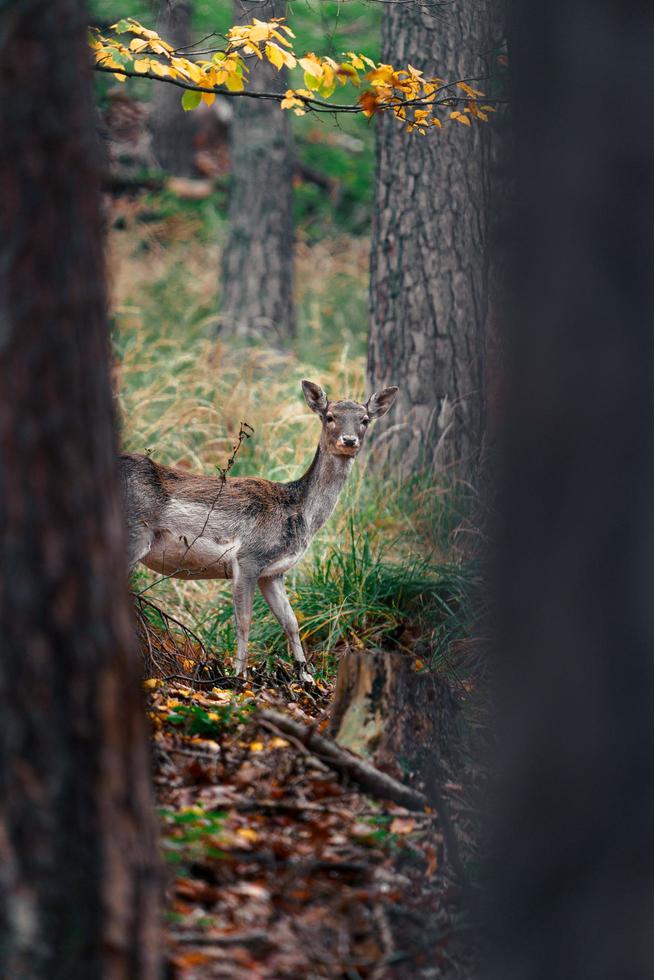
(353, 595)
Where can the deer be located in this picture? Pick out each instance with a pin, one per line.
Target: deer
(246, 529)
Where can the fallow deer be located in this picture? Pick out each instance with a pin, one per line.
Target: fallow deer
(246, 529)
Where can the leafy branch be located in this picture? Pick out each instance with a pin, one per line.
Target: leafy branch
(407, 93)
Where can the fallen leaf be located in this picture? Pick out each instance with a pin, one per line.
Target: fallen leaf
(247, 833)
(402, 825)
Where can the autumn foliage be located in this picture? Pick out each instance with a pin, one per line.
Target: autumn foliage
(417, 101)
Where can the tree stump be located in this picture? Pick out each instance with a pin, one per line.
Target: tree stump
(405, 722)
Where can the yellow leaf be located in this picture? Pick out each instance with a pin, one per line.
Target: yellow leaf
(278, 57)
(235, 83)
(402, 825)
(278, 743)
(355, 60)
(142, 64)
(136, 45)
(275, 55)
(247, 833)
(255, 746)
(468, 90)
(159, 69)
(311, 66)
(152, 682)
(208, 98)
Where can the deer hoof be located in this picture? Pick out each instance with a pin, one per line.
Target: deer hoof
(306, 677)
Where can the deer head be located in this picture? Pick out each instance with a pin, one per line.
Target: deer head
(345, 423)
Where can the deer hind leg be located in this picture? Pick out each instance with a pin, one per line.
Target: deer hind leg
(274, 593)
(243, 593)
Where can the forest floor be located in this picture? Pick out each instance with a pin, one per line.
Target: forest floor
(277, 867)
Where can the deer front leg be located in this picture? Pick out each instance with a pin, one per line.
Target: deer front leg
(274, 593)
(243, 592)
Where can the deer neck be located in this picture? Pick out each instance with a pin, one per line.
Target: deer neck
(321, 485)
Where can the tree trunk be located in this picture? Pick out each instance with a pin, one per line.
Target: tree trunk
(257, 266)
(386, 712)
(428, 272)
(172, 128)
(574, 884)
(78, 888)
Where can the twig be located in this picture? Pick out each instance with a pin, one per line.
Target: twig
(366, 775)
(272, 727)
(229, 939)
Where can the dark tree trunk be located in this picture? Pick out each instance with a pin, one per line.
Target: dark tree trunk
(575, 879)
(78, 888)
(173, 128)
(257, 266)
(428, 284)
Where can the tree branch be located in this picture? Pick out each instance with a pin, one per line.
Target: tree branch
(311, 104)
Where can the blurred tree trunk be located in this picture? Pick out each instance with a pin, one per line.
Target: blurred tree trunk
(257, 267)
(574, 889)
(79, 895)
(429, 270)
(172, 128)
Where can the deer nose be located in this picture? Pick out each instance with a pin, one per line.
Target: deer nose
(349, 440)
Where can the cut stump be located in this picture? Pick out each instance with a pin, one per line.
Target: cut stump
(405, 722)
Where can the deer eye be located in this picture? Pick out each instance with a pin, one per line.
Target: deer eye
(329, 417)
(365, 421)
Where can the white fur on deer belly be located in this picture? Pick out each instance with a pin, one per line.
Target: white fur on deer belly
(184, 556)
(281, 565)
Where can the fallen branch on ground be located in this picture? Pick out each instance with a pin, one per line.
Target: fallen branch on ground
(367, 776)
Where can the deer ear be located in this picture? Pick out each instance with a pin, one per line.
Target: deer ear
(380, 402)
(315, 397)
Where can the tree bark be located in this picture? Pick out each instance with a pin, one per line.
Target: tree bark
(78, 888)
(428, 271)
(574, 882)
(404, 721)
(257, 265)
(172, 128)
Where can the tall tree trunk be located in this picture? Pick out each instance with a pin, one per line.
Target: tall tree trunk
(575, 879)
(172, 128)
(428, 281)
(78, 888)
(257, 267)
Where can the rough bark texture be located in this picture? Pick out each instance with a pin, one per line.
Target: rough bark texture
(78, 891)
(384, 711)
(428, 285)
(172, 128)
(575, 876)
(257, 268)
